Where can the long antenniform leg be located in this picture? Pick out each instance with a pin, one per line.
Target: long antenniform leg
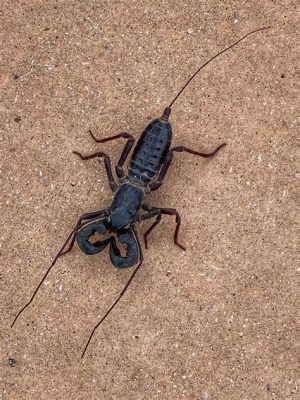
(120, 295)
(62, 251)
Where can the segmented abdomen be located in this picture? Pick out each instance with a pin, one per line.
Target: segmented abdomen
(150, 151)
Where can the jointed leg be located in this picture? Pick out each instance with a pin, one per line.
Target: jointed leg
(152, 212)
(108, 139)
(181, 149)
(125, 152)
(119, 167)
(157, 221)
(107, 164)
(164, 169)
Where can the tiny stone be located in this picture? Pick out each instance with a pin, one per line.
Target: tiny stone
(190, 31)
(12, 362)
(18, 119)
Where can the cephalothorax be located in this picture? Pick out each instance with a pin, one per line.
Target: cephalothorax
(148, 166)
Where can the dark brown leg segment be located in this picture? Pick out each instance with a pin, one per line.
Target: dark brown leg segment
(130, 142)
(107, 164)
(119, 167)
(164, 169)
(181, 149)
(158, 213)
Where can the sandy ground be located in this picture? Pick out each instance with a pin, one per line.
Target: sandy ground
(216, 322)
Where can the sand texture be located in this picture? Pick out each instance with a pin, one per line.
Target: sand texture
(218, 321)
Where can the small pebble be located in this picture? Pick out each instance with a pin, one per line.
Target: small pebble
(12, 362)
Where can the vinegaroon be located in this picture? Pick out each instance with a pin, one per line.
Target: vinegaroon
(148, 166)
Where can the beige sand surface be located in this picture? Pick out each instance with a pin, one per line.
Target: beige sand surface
(216, 322)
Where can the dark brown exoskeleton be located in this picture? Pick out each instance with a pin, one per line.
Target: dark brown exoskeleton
(148, 166)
